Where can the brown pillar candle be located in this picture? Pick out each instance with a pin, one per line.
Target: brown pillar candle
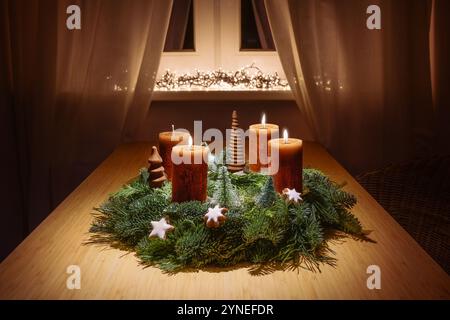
(167, 140)
(189, 172)
(287, 173)
(259, 136)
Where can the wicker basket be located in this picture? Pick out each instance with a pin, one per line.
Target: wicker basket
(417, 195)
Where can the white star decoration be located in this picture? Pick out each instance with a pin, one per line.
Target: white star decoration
(160, 228)
(292, 195)
(215, 216)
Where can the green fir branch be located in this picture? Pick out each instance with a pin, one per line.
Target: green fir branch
(261, 228)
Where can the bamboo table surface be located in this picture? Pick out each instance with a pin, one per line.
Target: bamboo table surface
(36, 269)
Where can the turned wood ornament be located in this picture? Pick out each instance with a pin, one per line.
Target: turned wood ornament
(156, 170)
(236, 162)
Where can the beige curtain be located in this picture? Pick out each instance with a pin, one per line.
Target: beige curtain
(71, 96)
(366, 94)
(262, 25)
(178, 25)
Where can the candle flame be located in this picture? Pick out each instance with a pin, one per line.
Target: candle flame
(190, 142)
(173, 128)
(263, 120)
(285, 136)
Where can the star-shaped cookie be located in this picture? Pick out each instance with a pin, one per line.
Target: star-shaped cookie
(160, 228)
(292, 195)
(215, 217)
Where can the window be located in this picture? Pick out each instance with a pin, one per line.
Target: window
(227, 34)
(180, 34)
(255, 28)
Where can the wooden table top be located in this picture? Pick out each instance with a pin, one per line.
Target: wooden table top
(37, 267)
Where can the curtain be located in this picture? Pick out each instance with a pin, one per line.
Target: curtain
(178, 25)
(366, 94)
(70, 96)
(440, 72)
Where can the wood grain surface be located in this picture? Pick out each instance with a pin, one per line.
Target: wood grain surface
(37, 267)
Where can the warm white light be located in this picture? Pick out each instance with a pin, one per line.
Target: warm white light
(222, 80)
(285, 136)
(190, 142)
(263, 120)
(173, 129)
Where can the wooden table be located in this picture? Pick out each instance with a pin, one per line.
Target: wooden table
(37, 268)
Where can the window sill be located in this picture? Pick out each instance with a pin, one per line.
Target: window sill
(223, 95)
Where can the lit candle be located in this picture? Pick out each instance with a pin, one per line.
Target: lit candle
(167, 140)
(189, 172)
(259, 135)
(286, 165)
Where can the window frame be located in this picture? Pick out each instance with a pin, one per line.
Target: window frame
(203, 55)
(240, 35)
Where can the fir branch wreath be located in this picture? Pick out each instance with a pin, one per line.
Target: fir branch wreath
(262, 230)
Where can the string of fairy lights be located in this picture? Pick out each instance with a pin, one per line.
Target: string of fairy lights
(248, 78)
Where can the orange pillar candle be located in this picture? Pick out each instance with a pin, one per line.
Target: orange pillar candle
(259, 135)
(189, 172)
(167, 140)
(287, 173)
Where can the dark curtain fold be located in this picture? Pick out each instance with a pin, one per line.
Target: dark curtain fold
(14, 222)
(262, 25)
(440, 63)
(178, 25)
